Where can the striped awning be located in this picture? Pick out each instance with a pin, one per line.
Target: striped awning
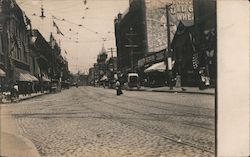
(45, 79)
(2, 73)
(27, 77)
(159, 67)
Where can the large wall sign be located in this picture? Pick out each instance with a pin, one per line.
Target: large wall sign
(180, 10)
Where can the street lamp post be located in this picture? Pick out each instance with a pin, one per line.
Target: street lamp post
(168, 57)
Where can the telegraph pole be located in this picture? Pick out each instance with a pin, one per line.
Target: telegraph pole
(169, 51)
(113, 67)
(111, 50)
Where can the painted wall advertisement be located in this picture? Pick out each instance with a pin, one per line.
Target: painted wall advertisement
(180, 10)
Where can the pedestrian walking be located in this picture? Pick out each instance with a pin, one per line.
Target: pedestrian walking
(118, 88)
(16, 90)
(14, 93)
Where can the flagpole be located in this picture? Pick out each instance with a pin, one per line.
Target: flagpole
(52, 25)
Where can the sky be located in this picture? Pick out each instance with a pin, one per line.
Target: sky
(82, 43)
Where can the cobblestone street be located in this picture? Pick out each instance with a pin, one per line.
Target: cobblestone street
(94, 122)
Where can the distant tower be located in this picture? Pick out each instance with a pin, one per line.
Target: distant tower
(102, 56)
(103, 50)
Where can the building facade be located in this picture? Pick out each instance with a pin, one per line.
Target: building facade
(205, 26)
(130, 32)
(148, 20)
(42, 56)
(25, 56)
(156, 19)
(16, 32)
(192, 37)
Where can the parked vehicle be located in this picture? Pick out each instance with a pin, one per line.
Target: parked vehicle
(55, 86)
(133, 80)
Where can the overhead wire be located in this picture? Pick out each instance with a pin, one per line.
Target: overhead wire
(64, 20)
(69, 37)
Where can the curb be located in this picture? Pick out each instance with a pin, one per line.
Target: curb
(167, 91)
(187, 92)
(34, 96)
(17, 145)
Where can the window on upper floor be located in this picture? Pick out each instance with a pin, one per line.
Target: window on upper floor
(1, 9)
(1, 45)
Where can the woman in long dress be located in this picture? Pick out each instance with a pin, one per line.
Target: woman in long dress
(118, 88)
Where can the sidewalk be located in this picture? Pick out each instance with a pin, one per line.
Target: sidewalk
(22, 97)
(11, 143)
(190, 90)
(33, 95)
(16, 146)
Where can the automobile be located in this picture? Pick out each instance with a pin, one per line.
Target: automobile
(133, 80)
(74, 84)
(54, 86)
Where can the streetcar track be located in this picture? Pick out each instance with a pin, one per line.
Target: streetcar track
(159, 102)
(148, 115)
(194, 145)
(151, 130)
(196, 116)
(165, 103)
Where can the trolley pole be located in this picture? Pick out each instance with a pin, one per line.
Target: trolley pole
(169, 51)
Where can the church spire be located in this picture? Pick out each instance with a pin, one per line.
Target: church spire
(103, 50)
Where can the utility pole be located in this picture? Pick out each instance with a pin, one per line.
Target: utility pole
(130, 35)
(169, 51)
(111, 69)
(111, 50)
(52, 57)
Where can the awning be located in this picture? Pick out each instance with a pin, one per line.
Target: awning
(27, 77)
(157, 67)
(2, 73)
(45, 79)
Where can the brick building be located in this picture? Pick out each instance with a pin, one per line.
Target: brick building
(193, 40)
(148, 20)
(42, 57)
(16, 30)
(180, 10)
(130, 32)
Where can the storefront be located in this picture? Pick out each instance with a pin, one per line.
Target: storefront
(155, 75)
(26, 82)
(2, 79)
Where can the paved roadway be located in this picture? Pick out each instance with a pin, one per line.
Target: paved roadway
(94, 122)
